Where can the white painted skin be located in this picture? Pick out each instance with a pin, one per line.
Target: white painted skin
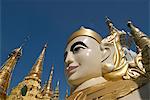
(87, 60)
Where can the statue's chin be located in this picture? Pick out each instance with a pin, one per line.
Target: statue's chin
(75, 82)
(76, 79)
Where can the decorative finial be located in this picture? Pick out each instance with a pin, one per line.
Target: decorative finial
(111, 27)
(129, 23)
(45, 46)
(108, 21)
(82, 27)
(132, 27)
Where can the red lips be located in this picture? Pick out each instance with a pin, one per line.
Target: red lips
(69, 69)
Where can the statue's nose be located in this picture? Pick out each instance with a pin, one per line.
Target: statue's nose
(69, 58)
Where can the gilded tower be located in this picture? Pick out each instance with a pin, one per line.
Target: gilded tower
(31, 85)
(6, 71)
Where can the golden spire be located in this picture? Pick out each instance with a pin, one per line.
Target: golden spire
(48, 88)
(66, 95)
(50, 78)
(6, 70)
(56, 92)
(36, 70)
(139, 37)
(57, 87)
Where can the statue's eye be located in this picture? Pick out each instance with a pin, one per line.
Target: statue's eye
(77, 49)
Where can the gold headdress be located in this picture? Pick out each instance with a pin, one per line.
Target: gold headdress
(85, 32)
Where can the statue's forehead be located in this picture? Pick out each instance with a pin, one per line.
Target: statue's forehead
(85, 39)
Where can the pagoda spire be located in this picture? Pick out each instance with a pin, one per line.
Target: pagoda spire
(139, 37)
(56, 92)
(36, 70)
(66, 95)
(49, 84)
(6, 70)
(48, 88)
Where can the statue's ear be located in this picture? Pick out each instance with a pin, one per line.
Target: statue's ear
(108, 51)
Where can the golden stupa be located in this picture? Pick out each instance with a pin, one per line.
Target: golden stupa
(30, 88)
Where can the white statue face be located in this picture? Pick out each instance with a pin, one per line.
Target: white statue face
(82, 60)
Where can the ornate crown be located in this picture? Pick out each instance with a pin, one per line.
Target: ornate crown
(85, 32)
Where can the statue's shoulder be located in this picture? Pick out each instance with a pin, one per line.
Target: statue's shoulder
(108, 90)
(113, 90)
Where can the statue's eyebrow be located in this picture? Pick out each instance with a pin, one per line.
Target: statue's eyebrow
(77, 43)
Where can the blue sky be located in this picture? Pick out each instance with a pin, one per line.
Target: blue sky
(52, 22)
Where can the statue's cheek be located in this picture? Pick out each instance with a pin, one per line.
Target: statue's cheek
(83, 55)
